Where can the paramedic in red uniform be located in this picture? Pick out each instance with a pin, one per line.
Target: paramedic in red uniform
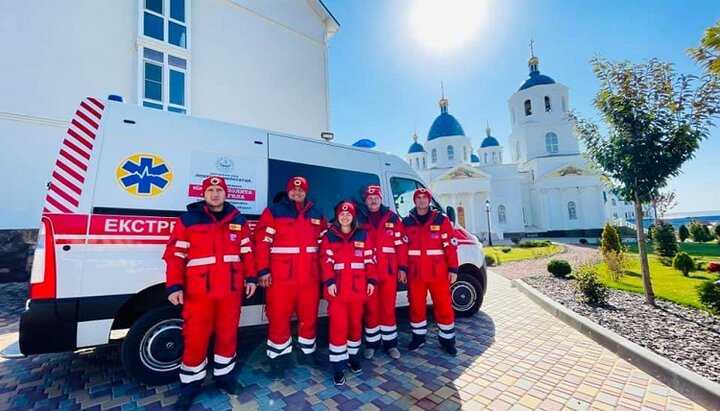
(349, 275)
(384, 228)
(286, 241)
(209, 264)
(433, 266)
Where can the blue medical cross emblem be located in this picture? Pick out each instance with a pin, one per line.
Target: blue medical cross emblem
(145, 175)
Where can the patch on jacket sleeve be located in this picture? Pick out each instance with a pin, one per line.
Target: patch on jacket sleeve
(315, 221)
(236, 227)
(360, 244)
(434, 227)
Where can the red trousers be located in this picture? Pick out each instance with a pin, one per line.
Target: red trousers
(442, 306)
(345, 329)
(283, 299)
(380, 322)
(205, 317)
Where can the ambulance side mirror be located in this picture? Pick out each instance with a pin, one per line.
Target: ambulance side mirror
(450, 213)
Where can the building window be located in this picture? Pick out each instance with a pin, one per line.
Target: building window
(424, 165)
(165, 20)
(486, 158)
(572, 211)
(548, 107)
(464, 153)
(433, 156)
(502, 215)
(494, 156)
(164, 79)
(551, 142)
(417, 162)
(451, 152)
(528, 108)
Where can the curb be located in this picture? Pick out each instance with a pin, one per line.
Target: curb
(686, 382)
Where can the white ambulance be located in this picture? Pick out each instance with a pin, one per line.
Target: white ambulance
(122, 176)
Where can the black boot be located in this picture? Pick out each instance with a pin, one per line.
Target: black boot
(355, 365)
(277, 368)
(312, 360)
(229, 384)
(417, 342)
(188, 392)
(449, 346)
(339, 372)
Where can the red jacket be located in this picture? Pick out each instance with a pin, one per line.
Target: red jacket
(348, 261)
(390, 249)
(286, 242)
(432, 247)
(209, 257)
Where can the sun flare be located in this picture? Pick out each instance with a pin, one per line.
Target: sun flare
(446, 24)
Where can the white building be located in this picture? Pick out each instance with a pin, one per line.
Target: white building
(544, 187)
(257, 63)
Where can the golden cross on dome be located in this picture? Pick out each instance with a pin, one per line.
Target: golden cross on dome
(532, 51)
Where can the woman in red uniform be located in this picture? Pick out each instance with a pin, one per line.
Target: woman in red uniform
(349, 274)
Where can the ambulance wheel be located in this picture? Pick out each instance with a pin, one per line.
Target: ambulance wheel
(467, 295)
(152, 348)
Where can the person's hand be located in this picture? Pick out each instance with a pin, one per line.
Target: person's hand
(176, 297)
(452, 277)
(370, 289)
(402, 276)
(250, 289)
(332, 290)
(265, 281)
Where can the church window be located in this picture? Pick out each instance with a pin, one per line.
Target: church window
(551, 142)
(424, 164)
(464, 153)
(572, 211)
(494, 156)
(502, 215)
(433, 155)
(500, 157)
(417, 163)
(450, 152)
(486, 158)
(548, 107)
(528, 107)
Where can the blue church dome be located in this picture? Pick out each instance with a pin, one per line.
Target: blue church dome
(416, 147)
(535, 79)
(474, 159)
(489, 141)
(445, 124)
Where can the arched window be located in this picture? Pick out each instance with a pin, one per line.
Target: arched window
(464, 153)
(528, 107)
(551, 142)
(502, 216)
(494, 155)
(433, 156)
(417, 162)
(450, 152)
(424, 164)
(486, 159)
(572, 211)
(548, 107)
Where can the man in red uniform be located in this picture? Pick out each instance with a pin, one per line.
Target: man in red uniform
(384, 228)
(433, 266)
(209, 263)
(286, 241)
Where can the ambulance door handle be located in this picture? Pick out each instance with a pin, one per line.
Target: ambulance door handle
(66, 248)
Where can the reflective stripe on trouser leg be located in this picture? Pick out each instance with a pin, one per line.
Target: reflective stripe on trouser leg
(306, 306)
(419, 328)
(306, 345)
(389, 335)
(276, 350)
(353, 347)
(446, 332)
(223, 365)
(280, 304)
(227, 318)
(417, 296)
(338, 356)
(198, 319)
(190, 374)
(372, 320)
(372, 337)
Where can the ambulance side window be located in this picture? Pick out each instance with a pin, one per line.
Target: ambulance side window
(402, 191)
(328, 186)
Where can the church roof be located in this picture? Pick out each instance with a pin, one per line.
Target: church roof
(489, 141)
(416, 147)
(535, 78)
(445, 124)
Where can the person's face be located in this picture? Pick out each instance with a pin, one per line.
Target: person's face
(422, 203)
(297, 194)
(214, 196)
(345, 218)
(373, 202)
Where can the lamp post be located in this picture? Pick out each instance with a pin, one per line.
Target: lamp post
(487, 211)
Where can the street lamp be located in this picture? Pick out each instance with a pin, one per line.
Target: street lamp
(487, 211)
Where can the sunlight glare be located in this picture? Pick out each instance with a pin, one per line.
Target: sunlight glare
(446, 25)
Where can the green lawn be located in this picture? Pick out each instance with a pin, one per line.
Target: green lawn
(711, 249)
(518, 253)
(668, 283)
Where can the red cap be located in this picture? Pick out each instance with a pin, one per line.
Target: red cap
(345, 206)
(422, 191)
(372, 191)
(214, 181)
(298, 182)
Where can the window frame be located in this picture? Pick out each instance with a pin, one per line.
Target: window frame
(433, 156)
(502, 214)
(166, 24)
(528, 107)
(552, 145)
(165, 80)
(572, 211)
(548, 104)
(450, 152)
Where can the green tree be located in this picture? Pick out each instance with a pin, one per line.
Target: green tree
(610, 240)
(683, 233)
(716, 230)
(708, 52)
(665, 242)
(699, 232)
(655, 122)
(684, 263)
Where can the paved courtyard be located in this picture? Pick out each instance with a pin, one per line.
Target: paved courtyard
(512, 355)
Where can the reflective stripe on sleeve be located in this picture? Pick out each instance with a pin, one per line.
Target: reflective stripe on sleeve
(201, 261)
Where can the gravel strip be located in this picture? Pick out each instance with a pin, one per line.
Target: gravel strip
(574, 254)
(686, 336)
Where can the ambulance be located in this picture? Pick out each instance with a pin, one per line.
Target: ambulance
(122, 176)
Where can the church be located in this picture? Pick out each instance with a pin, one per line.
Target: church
(541, 186)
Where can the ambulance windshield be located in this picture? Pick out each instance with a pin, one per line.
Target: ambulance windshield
(402, 191)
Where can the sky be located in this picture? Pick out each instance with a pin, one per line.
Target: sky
(389, 58)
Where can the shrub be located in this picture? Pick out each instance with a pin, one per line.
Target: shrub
(716, 230)
(559, 268)
(515, 238)
(489, 260)
(583, 241)
(683, 233)
(699, 232)
(709, 295)
(626, 232)
(590, 289)
(610, 241)
(665, 242)
(684, 263)
(650, 232)
(535, 244)
(616, 263)
(506, 249)
(713, 266)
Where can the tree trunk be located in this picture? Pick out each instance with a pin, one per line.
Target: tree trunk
(642, 249)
